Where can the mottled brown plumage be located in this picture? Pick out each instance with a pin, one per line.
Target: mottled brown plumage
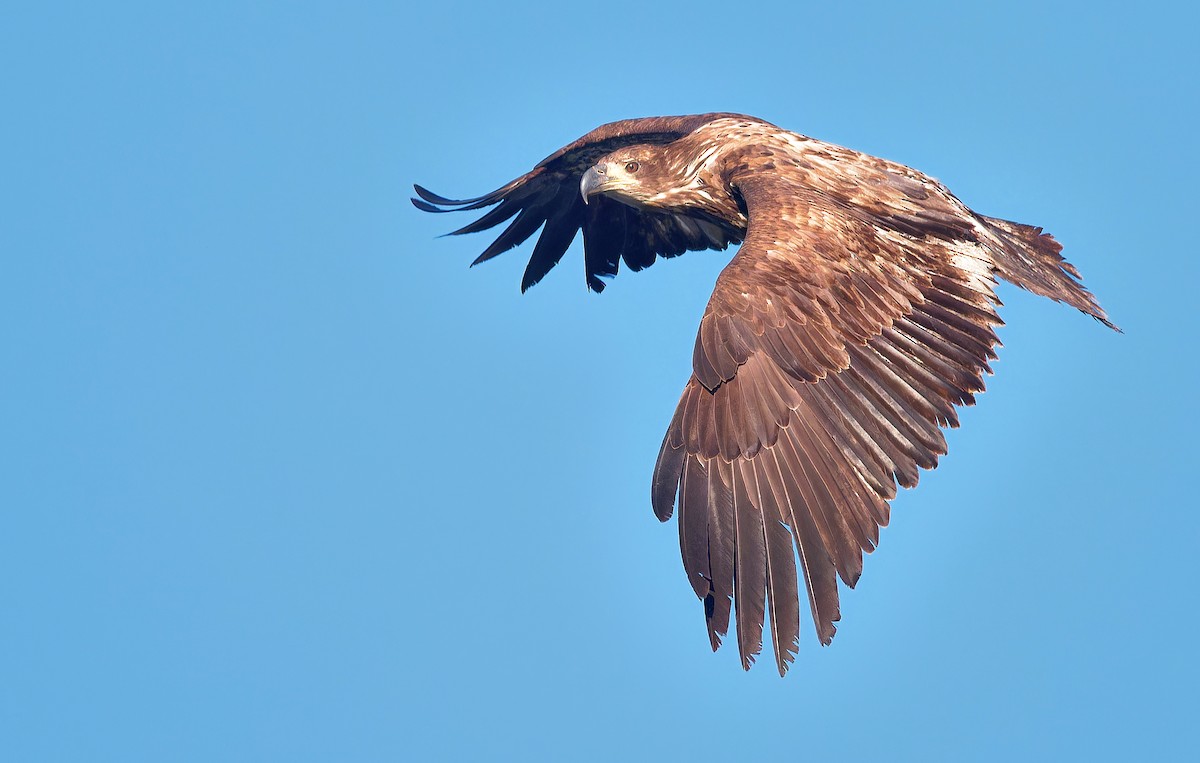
(856, 315)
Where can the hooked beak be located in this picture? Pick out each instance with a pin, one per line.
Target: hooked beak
(593, 181)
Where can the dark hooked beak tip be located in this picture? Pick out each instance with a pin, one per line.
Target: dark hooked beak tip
(592, 181)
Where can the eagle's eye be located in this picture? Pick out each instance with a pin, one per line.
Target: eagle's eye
(632, 167)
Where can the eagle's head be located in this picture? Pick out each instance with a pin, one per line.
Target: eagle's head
(650, 176)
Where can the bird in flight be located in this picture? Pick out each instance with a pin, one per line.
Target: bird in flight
(858, 312)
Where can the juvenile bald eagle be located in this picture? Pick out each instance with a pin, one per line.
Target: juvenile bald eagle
(856, 315)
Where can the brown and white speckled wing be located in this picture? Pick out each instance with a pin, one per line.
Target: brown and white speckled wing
(830, 355)
(900, 199)
(547, 197)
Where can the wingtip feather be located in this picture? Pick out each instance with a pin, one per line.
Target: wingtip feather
(434, 198)
(425, 206)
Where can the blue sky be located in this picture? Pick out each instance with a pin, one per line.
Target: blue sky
(284, 480)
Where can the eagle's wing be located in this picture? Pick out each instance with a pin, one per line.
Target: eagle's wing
(831, 353)
(548, 197)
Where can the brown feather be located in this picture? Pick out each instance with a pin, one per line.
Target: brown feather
(693, 526)
(750, 568)
(722, 550)
(782, 590)
(818, 570)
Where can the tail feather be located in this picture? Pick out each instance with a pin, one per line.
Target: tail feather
(1030, 259)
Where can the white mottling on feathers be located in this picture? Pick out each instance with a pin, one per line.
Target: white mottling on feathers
(665, 196)
(703, 159)
(974, 259)
(802, 144)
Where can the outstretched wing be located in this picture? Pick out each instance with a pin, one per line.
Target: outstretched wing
(833, 350)
(547, 197)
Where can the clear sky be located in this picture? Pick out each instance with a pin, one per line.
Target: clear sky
(282, 479)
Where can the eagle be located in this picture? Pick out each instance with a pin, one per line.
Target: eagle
(858, 312)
